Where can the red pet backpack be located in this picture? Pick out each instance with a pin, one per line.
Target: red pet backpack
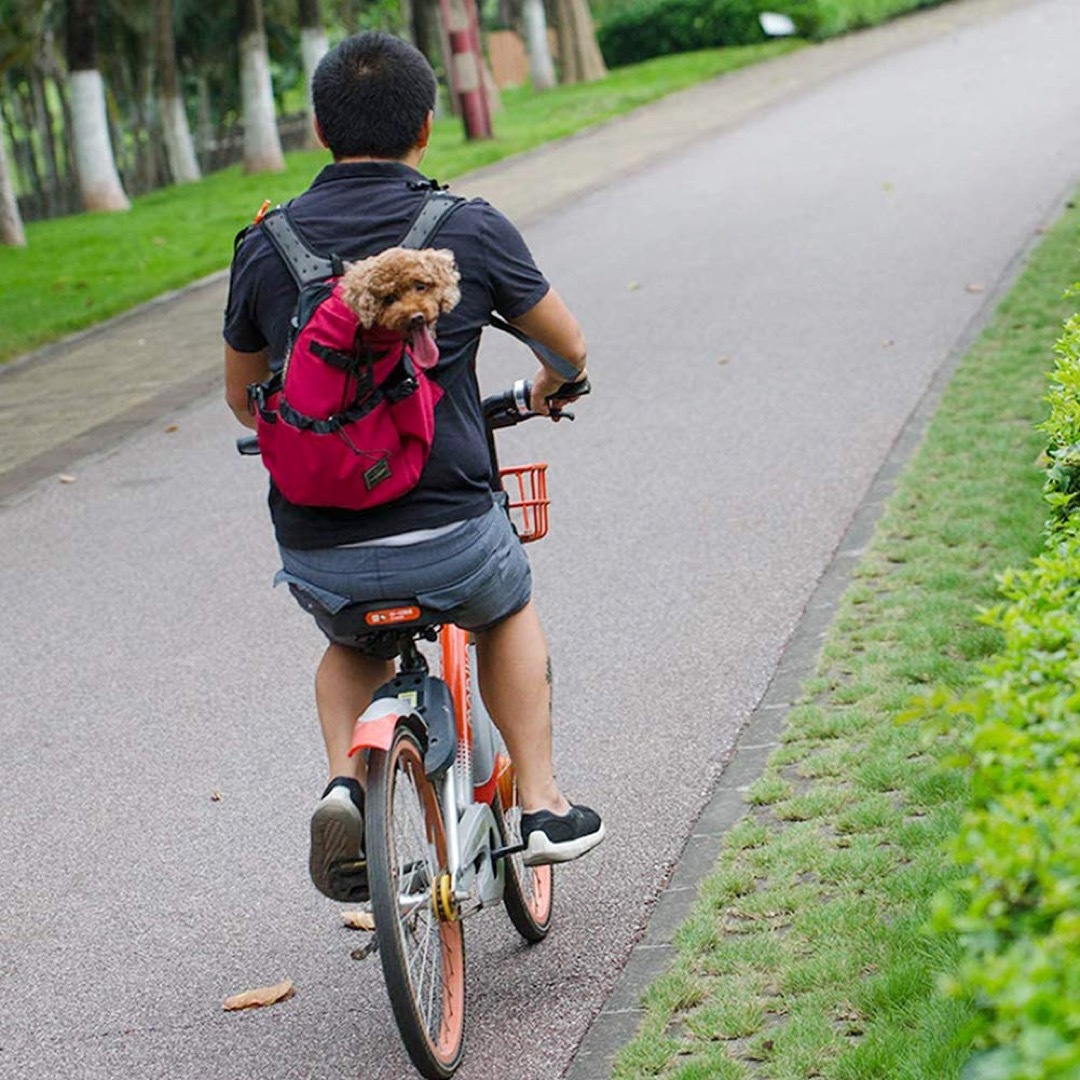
(349, 421)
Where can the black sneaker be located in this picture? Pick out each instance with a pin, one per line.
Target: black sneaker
(550, 838)
(337, 863)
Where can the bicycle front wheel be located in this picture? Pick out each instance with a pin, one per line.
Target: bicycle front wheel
(421, 943)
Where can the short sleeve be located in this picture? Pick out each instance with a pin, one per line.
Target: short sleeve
(241, 331)
(517, 285)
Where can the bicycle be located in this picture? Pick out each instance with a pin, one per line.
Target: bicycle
(442, 824)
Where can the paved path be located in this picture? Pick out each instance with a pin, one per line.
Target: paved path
(758, 347)
(91, 391)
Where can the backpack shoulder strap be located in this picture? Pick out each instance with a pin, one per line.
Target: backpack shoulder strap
(305, 265)
(436, 208)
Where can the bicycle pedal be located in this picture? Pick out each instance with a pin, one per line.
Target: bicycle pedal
(510, 849)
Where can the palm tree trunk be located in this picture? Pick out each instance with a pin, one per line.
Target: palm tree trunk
(541, 68)
(313, 46)
(11, 226)
(179, 147)
(99, 181)
(262, 144)
(579, 54)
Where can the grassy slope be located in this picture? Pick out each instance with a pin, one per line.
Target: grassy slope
(79, 270)
(808, 954)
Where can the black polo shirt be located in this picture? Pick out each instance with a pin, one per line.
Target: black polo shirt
(359, 209)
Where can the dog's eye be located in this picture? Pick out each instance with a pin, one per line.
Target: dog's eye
(388, 300)
(420, 286)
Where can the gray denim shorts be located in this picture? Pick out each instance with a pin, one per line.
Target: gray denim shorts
(476, 575)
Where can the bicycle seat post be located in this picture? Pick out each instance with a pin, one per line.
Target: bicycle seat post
(412, 660)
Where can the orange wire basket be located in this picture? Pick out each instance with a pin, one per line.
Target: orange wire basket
(526, 486)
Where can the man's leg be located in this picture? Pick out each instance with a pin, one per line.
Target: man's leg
(515, 679)
(344, 685)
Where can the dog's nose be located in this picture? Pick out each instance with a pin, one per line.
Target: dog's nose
(417, 321)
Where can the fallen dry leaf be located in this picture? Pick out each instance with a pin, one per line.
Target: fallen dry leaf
(723, 360)
(172, 427)
(215, 796)
(66, 478)
(976, 287)
(634, 286)
(358, 920)
(265, 995)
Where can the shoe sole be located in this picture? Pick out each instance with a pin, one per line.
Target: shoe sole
(336, 835)
(542, 851)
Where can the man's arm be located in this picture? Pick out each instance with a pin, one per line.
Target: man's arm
(551, 323)
(241, 370)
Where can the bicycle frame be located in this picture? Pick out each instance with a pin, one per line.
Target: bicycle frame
(463, 758)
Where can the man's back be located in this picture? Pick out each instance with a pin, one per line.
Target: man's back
(357, 209)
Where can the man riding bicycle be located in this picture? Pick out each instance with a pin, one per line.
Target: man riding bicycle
(444, 542)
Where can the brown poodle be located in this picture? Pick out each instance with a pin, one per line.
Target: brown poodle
(401, 289)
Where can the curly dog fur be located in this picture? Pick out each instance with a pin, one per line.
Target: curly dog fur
(401, 289)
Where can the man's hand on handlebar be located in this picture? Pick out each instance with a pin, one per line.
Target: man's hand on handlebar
(546, 399)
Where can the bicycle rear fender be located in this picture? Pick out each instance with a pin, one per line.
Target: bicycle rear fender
(377, 723)
(419, 700)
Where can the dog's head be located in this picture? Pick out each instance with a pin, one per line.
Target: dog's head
(401, 289)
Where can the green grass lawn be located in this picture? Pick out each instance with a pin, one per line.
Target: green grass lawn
(79, 270)
(808, 954)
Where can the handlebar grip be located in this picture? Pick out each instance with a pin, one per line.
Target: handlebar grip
(571, 390)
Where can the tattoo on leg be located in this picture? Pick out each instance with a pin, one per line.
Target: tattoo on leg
(549, 675)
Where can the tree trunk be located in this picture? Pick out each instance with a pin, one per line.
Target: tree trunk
(94, 161)
(11, 226)
(313, 46)
(262, 144)
(43, 120)
(348, 16)
(579, 54)
(464, 68)
(179, 147)
(427, 32)
(534, 23)
(31, 172)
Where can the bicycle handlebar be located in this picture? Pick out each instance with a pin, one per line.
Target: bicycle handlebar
(513, 406)
(500, 410)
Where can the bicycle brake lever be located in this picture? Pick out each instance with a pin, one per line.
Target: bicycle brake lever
(561, 414)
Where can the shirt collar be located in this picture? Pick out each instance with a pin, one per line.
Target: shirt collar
(367, 170)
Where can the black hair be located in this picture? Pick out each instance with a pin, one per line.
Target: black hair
(372, 93)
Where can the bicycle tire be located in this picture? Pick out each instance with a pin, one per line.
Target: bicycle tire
(529, 891)
(422, 955)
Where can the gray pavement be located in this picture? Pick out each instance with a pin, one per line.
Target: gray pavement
(766, 307)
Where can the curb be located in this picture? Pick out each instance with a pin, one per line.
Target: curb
(51, 348)
(620, 1017)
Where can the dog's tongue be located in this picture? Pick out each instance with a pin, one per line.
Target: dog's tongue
(424, 350)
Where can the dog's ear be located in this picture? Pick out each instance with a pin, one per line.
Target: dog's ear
(357, 294)
(443, 263)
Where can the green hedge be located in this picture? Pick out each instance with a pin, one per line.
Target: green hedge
(1017, 909)
(648, 28)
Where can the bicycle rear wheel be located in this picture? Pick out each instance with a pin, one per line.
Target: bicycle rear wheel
(422, 951)
(529, 890)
